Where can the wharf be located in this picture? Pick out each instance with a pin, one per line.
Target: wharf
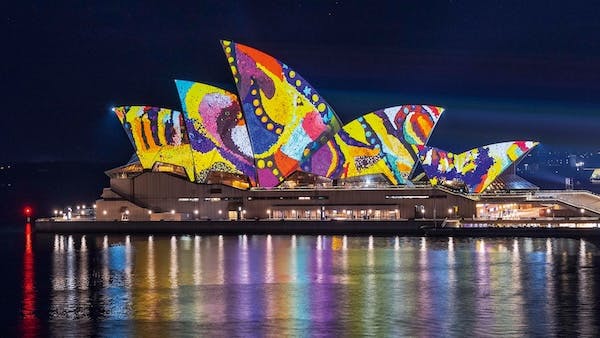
(418, 227)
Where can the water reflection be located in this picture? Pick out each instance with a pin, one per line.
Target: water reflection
(298, 285)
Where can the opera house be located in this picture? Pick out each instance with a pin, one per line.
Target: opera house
(277, 150)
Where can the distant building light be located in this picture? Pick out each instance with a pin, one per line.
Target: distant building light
(173, 212)
(188, 199)
(104, 212)
(127, 212)
(94, 206)
(220, 212)
(304, 198)
(396, 197)
(196, 212)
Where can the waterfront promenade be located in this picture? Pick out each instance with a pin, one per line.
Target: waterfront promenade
(419, 227)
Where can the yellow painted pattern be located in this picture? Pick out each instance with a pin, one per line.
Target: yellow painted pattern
(148, 150)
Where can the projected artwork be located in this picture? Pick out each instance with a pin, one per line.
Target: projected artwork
(287, 119)
(476, 168)
(380, 142)
(217, 131)
(158, 135)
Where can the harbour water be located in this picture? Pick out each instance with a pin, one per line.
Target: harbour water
(78, 285)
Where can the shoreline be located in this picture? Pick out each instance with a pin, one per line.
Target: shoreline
(308, 227)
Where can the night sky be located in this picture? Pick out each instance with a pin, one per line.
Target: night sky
(503, 70)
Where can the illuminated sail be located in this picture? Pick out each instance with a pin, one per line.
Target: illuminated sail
(217, 131)
(380, 142)
(158, 135)
(287, 119)
(476, 168)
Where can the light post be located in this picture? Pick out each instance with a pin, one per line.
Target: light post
(28, 211)
(550, 213)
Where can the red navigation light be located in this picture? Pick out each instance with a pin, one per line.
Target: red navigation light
(27, 211)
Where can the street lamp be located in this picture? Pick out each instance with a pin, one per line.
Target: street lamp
(582, 211)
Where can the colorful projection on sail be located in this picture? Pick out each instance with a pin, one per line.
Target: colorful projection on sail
(476, 168)
(158, 135)
(380, 142)
(217, 131)
(287, 119)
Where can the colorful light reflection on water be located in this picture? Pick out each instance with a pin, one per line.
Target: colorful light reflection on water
(305, 285)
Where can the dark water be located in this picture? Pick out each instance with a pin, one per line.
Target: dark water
(297, 285)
